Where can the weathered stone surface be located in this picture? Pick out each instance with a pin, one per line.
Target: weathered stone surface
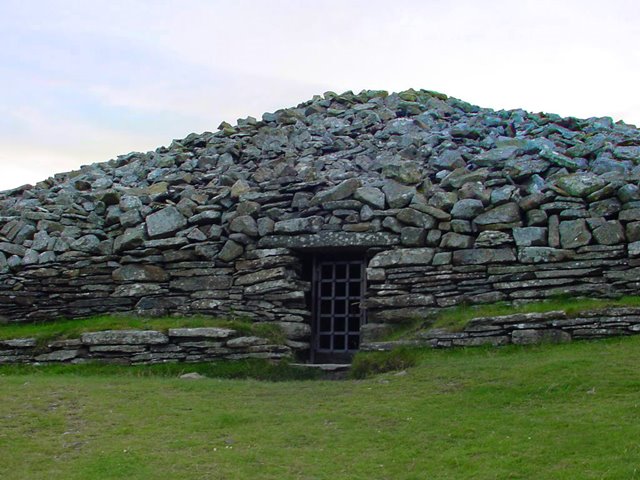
(192, 284)
(530, 236)
(295, 330)
(327, 239)
(205, 218)
(230, 251)
(343, 190)
(468, 208)
(371, 196)
(165, 222)
(262, 276)
(124, 337)
(609, 233)
(397, 195)
(311, 224)
(580, 184)
(574, 233)
(57, 356)
(416, 218)
(452, 240)
(479, 256)
(503, 214)
(244, 224)
(201, 332)
(542, 254)
(403, 256)
(140, 273)
(243, 342)
(531, 337)
(493, 239)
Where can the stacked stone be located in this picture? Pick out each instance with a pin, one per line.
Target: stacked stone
(527, 329)
(455, 203)
(145, 347)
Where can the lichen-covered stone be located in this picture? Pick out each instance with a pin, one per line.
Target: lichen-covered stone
(165, 222)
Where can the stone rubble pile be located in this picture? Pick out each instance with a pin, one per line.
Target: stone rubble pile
(450, 202)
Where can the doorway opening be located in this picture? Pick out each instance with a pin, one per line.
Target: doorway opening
(337, 299)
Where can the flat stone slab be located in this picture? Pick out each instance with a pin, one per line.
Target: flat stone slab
(124, 337)
(327, 239)
(325, 367)
(204, 332)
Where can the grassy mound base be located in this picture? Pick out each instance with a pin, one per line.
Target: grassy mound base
(543, 412)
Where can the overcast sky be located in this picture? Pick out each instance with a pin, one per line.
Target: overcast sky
(84, 81)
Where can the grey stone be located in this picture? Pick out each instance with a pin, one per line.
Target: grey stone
(201, 332)
(413, 236)
(605, 208)
(371, 196)
(204, 283)
(453, 240)
(530, 236)
(442, 258)
(398, 195)
(266, 226)
(124, 337)
(205, 218)
(19, 343)
(480, 256)
(326, 239)
(574, 233)
(243, 342)
(87, 244)
(244, 224)
(294, 330)
(311, 224)
(12, 249)
(580, 184)
(609, 233)
(136, 290)
(262, 276)
(165, 222)
(633, 231)
(531, 337)
(467, 208)
(542, 255)
(192, 376)
(493, 239)
(230, 251)
(130, 218)
(495, 157)
(343, 190)
(140, 273)
(629, 193)
(58, 356)
(507, 213)
(403, 256)
(416, 218)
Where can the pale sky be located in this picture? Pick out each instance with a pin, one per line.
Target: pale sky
(84, 81)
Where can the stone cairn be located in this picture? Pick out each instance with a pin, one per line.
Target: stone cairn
(449, 202)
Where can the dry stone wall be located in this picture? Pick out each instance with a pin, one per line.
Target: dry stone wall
(449, 203)
(527, 329)
(144, 347)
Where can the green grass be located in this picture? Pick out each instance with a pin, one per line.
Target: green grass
(456, 318)
(545, 412)
(65, 328)
(257, 369)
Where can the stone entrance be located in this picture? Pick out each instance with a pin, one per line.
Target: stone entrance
(337, 304)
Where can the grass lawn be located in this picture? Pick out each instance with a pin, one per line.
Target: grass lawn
(546, 412)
